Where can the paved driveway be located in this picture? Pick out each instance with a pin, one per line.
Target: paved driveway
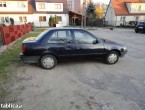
(88, 85)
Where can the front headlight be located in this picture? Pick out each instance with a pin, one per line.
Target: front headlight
(125, 48)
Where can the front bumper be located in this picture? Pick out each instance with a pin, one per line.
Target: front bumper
(123, 52)
(29, 59)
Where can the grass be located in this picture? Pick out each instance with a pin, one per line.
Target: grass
(9, 62)
(9, 56)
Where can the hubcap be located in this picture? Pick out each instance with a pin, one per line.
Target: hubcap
(112, 58)
(48, 62)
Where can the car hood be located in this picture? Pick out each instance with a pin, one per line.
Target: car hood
(29, 39)
(111, 42)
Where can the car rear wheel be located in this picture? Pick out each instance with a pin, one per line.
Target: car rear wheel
(112, 57)
(48, 62)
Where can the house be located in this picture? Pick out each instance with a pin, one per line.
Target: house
(36, 11)
(125, 12)
(76, 11)
(77, 5)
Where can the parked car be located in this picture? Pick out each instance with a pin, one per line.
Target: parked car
(140, 27)
(56, 44)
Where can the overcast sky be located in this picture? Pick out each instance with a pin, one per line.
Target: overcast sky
(104, 1)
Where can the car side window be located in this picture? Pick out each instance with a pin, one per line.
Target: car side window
(83, 37)
(60, 36)
(53, 38)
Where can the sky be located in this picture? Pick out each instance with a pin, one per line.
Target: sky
(104, 1)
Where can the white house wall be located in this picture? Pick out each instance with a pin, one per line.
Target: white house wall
(15, 6)
(64, 22)
(128, 19)
(110, 16)
(16, 18)
(35, 18)
(49, 7)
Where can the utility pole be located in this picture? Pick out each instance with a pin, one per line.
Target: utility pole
(84, 13)
(83, 23)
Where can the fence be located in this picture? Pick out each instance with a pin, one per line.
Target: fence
(1, 41)
(103, 23)
(11, 33)
(129, 24)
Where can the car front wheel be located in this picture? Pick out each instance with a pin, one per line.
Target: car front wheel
(136, 31)
(48, 62)
(112, 57)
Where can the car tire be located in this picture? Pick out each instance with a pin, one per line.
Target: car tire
(136, 31)
(112, 57)
(48, 62)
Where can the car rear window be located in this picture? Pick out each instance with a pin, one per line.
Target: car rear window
(40, 35)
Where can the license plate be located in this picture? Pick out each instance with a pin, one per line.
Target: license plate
(140, 27)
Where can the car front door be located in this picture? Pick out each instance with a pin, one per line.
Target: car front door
(86, 45)
(61, 44)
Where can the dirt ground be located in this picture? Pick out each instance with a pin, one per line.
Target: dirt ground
(87, 85)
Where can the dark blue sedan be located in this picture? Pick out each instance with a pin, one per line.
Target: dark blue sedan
(57, 44)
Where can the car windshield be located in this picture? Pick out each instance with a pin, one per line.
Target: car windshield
(141, 23)
(40, 35)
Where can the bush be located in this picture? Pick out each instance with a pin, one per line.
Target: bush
(2, 25)
(53, 21)
(132, 23)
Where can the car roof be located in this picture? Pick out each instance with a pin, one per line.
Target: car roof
(60, 28)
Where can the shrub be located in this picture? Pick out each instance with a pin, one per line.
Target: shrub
(53, 21)
(132, 23)
(2, 25)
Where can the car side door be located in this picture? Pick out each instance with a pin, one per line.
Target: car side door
(61, 43)
(87, 45)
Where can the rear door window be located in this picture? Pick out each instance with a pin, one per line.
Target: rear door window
(60, 36)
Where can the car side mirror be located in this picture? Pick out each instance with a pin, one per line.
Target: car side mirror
(95, 41)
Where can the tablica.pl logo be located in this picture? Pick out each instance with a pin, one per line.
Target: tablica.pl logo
(10, 105)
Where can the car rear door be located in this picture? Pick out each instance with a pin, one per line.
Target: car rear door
(61, 43)
(85, 46)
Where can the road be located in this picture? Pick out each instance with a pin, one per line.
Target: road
(87, 85)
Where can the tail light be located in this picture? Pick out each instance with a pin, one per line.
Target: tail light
(23, 49)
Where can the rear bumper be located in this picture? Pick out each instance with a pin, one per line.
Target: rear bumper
(29, 59)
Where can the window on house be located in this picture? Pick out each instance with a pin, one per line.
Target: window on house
(42, 18)
(2, 19)
(41, 5)
(59, 18)
(3, 4)
(139, 8)
(20, 19)
(7, 19)
(70, 4)
(23, 19)
(57, 6)
(21, 4)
